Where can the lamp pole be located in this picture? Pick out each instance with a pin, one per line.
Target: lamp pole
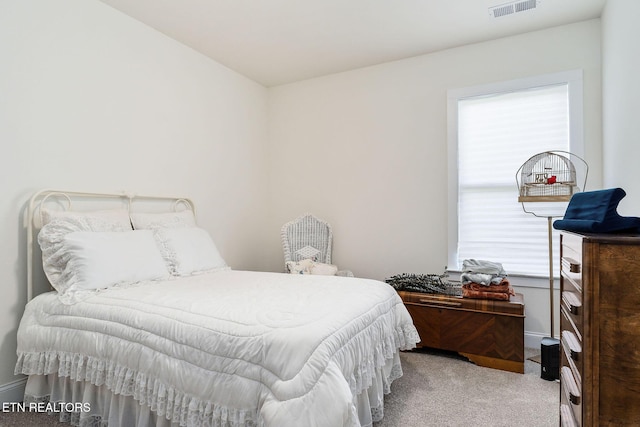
(551, 275)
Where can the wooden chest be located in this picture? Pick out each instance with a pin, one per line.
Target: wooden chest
(489, 333)
(600, 330)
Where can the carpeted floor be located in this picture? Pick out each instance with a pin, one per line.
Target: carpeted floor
(439, 389)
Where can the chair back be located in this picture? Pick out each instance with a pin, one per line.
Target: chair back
(307, 237)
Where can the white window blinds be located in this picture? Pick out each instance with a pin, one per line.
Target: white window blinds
(496, 135)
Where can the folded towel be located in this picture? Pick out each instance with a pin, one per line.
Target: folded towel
(481, 279)
(482, 272)
(470, 293)
(503, 287)
(482, 266)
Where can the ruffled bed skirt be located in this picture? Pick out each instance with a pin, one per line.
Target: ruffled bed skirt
(99, 407)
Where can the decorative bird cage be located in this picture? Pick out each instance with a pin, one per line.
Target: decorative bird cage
(547, 177)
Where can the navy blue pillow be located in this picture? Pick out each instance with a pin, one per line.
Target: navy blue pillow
(596, 212)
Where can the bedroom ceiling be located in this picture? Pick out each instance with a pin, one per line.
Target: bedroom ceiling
(281, 41)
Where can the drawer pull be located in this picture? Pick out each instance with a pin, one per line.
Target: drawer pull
(566, 416)
(439, 302)
(570, 341)
(571, 264)
(572, 302)
(570, 386)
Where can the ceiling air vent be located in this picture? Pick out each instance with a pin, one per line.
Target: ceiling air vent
(513, 7)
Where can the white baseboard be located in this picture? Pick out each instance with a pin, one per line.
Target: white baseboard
(13, 391)
(533, 339)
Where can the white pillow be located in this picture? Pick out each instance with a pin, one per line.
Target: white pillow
(52, 239)
(188, 250)
(102, 259)
(145, 221)
(102, 220)
(77, 261)
(308, 266)
(324, 269)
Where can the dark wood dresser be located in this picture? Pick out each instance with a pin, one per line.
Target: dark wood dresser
(489, 333)
(600, 330)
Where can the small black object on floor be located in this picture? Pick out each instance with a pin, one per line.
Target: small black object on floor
(550, 359)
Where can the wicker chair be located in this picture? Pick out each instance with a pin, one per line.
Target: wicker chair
(308, 237)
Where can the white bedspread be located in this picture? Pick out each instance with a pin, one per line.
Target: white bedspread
(244, 348)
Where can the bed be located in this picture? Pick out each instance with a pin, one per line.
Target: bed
(148, 326)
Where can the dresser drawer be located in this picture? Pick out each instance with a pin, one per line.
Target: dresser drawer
(571, 350)
(572, 246)
(571, 311)
(570, 394)
(566, 416)
(571, 277)
(571, 261)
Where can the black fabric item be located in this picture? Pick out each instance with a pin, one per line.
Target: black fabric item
(596, 212)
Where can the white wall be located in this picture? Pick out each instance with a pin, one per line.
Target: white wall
(92, 100)
(366, 150)
(621, 100)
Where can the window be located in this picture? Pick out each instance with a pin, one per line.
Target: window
(493, 130)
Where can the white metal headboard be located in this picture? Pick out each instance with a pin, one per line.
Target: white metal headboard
(38, 200)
